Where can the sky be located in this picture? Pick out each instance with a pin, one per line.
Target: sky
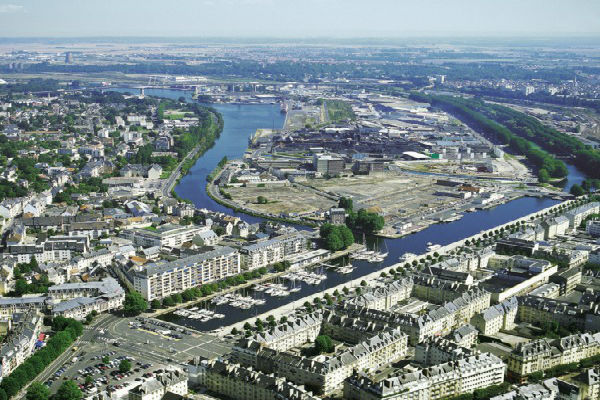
(299, 18)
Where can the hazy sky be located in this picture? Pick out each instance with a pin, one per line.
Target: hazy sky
(299, 18)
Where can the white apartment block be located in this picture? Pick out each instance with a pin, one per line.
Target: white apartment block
(263, 254)
(577, 215)
(156, 281)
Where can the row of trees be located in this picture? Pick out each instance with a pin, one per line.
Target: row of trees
(519, 132)
(67, 330)
(68, 390)
(207, 289)
(530, 129)
(484, 393)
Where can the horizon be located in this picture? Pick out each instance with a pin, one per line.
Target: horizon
(286, 19)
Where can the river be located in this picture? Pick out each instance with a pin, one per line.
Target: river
(240, 121)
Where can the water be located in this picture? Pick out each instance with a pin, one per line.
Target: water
(240, 122)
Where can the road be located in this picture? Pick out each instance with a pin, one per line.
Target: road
(177, 171)
(88, 334)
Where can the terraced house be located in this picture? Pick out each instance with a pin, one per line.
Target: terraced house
(542, 354)
(444, 380)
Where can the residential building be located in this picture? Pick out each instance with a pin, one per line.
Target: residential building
(164, 235)
(445, 380)
(20, 341)
(170, 381)
(265, 253)
(159, 280)
(497, 317)
(542, 354)
(237, 382)
(577, 215)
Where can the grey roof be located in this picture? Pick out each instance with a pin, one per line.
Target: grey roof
(73, 303)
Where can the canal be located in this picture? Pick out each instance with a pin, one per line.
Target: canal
(240, 121)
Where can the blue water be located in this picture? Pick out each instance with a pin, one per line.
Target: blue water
(240, 121)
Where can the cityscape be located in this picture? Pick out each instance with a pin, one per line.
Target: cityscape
(300, 201)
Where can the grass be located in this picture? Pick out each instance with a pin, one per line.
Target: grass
(339, 111)
(174, 116)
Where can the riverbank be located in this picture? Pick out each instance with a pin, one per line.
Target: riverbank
(212, 190)
(291, 307)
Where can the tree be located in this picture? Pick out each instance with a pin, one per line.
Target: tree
(155, 304)
(10, 386)
(37, 391)
(577, 190)
(347, 236)
(68, 391)
(168, 302)
(543, 176)
(346, 203)
(124, 366)
(323, 344)
(178, 298)
(134, 304)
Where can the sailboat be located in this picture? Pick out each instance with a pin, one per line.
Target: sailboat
(379, 256)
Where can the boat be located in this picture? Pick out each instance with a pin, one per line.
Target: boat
(407, 257)
(283, 107)
(433, 247)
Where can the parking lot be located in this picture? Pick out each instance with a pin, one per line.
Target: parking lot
(149, 344)
(95, 372)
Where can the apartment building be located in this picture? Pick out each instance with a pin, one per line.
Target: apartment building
(296, 331)
(80, 299)
(438, 322)
(326, 372)
(549, 389)
(159, 280)
(349, 330)
(589, 382)
(384, 297)
(164, 235)
(13, 305)
(265, 253)
(555, 226)
(577, 215)
(465, 336)
(539, 310)
(20, 343)
(439, 350)
(497, 317)
(445, 380)
(174, 382)
(542, 354)
(433, 289)
(237, 382)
